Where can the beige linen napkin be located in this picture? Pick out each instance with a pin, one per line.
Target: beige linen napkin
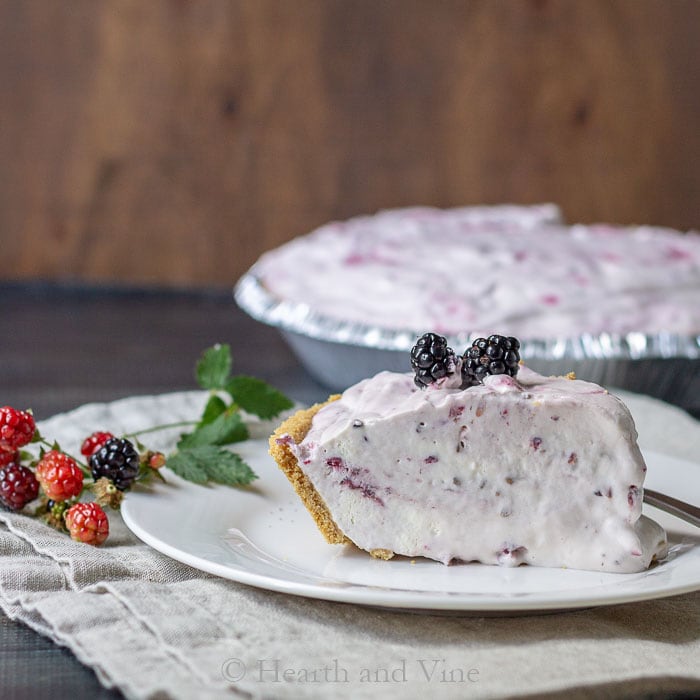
(157, 629)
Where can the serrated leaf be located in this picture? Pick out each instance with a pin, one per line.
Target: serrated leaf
(186, 466)
(214, 367)
(257, 397)
(214, 408)
(230, 469)
(211, 463)
(224, 429)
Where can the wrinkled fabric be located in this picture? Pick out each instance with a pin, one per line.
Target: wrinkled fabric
(155, 628)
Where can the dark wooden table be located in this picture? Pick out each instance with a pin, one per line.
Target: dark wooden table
(62, 346)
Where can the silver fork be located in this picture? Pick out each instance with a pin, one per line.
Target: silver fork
(685, 511)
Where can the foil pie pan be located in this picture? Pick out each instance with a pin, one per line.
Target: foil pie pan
(340, 353)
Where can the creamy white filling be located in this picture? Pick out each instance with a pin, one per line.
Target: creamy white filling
(544, 471)
(513, 271)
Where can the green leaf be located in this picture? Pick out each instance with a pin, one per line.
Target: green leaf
(229, 468)
(224, 429)
(214, 408)
(257, 397)
(211, 463)
(214, 367)
(186, 466)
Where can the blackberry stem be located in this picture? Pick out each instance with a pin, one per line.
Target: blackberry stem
(165, 426)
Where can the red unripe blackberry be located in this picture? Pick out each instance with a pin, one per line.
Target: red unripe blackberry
(87, 522)
(93, 442)
(18, 486)
(8, 457)
(59, 475)
(16, 428)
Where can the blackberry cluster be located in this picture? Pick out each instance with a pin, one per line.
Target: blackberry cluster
(118, 461)
(496, 354)
(431, 359)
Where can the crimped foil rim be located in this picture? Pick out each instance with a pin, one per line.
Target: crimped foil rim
(296, 317)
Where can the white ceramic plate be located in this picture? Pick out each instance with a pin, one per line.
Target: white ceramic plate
(262, 536)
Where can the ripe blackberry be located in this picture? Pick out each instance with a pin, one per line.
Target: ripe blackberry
(118, 461)
(18, 486)
(431, 359)
(16, 428)
(496, 354)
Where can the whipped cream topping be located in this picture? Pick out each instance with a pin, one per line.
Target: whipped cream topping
(511, 270)
(538, 470)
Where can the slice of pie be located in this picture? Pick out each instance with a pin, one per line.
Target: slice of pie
(506, 470)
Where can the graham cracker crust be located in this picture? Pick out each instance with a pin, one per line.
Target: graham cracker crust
(296, 427)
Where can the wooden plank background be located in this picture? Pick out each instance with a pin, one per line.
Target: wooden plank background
(174, 140)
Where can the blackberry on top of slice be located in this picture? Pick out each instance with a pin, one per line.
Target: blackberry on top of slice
(432, 359)
(497, 354)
